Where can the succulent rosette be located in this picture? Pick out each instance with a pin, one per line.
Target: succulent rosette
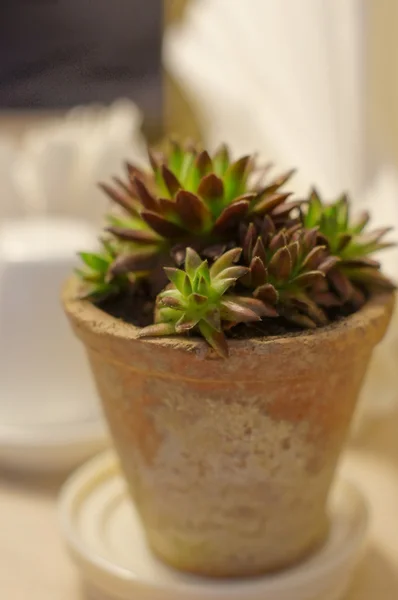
(226, 247)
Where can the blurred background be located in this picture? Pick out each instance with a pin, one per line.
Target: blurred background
(84, 86)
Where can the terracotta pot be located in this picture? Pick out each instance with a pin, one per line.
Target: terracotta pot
(229, 462)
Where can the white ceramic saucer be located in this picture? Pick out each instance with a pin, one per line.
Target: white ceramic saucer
(105, 538)
(60, 447)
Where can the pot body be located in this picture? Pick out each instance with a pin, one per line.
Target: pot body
(230, 462)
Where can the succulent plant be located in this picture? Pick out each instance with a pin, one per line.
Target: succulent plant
(188, 199)
(286, 267)
(348, 240)
(197, 300)
(96, 283)
(233, 249)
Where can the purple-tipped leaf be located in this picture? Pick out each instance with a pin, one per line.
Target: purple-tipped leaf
(121, 199)
(278, 241)
(314, 312)
(370, 277)
(204, 163)
(294, 249)
(309, 239)
(214, 251)
(162, 226)
(358, 298)
(192, 211)
(158, 329)
(214, 338)
(259, 250)
(326, 299)
(262, 309)
(231, 216)
(233, 311)
(133, 171)
(267, 293)
(362, 261)
(249, 240)
(167, 208)
(267, 227)
(280, 266)
(233, 273)
(281, 180)
(360, 222)
(314, 258)
(266, 203)
(308, 279)
(328, 263)
(126, 263)
(148, 201)
(258, 272)
(211, 188)
(134, 235)
(301, 320)
(155, 159)
(170, 180)
(125, 188)
(283, 210)
(341, 284)
(374, 236)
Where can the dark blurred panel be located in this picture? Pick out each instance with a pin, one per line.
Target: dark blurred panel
(59, 53)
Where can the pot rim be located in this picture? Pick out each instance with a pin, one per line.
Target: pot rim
(90, 317)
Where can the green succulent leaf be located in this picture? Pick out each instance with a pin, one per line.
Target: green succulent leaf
(216, 339)
(347, 242)
(96, 279)
(220, 286)
(176, 157)
(197, 300)
(221, 160)
(236, 177)
(180, 279)
(314, 213)
(225, 261)
(94, 261)
(192, 262)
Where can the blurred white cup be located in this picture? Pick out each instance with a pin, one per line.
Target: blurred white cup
(47, 395)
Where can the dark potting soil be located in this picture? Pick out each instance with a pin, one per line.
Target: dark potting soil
(134, 307)
(137, 307)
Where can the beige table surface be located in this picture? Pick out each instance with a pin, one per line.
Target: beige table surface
(35, 566)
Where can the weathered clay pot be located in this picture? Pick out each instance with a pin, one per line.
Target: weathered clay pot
(230, 462)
